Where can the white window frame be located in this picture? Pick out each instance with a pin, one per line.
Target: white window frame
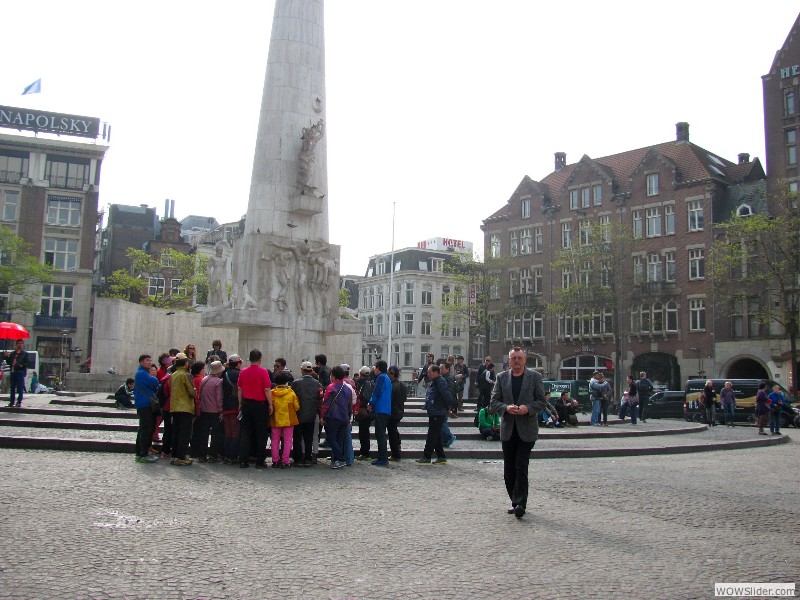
(652, 184)
(694, 209)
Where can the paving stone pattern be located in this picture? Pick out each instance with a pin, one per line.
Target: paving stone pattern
(89, 525)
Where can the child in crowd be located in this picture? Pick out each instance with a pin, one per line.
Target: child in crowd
(283, 419)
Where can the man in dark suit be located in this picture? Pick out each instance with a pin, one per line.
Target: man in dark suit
(518, 396)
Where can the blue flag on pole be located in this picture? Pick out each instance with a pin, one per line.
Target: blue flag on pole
(34, 88)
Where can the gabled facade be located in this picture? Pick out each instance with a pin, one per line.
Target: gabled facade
(656, 312)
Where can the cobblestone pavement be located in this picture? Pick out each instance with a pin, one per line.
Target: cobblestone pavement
(84, 525)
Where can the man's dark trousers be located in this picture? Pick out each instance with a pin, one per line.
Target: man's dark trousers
(303, 439)
(516, 456)
(16, 384)
(255, 421)
(144, 438)
(433, 441)
(381, 421)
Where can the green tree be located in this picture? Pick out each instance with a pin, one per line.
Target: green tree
(172, 280)
(597, 285)
(344, 297)
(757, 256)
(21, 274)
(476, 284)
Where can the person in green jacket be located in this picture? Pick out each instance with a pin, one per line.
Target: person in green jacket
(489, 424)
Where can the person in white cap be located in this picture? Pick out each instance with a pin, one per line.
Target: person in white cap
(309, 393)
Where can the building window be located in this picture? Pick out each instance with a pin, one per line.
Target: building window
(597, 194)
(397, 288)
(408, 320)
(584, 231)
(456, 330)
(13, 166)
(654, 268)
(396, 354)
(424, 350)
(514, 244)
(566, 236)
(695, 210)
(585, 274)
(371, 302)
(672, 316)
(513, 283)
(538, 239)
(581, 367)
(789, 105)
(573, 199)
(791, 147)
(155, 286)
(379, 297)
(638, 270)
(494, 287)
(669, 258)
(494, 244)
(652, 184)
(605, 273)
(167, 258)
(526, 208)
(525, 241)
(753, 317)
(697, 268)
(605, 229)
(525, 283)
(426, 324)
(669, 220)
(70, 173)
(408, 355)
(538, 325)
(494, 328)
(61, 254)
(437, 265)
(57, 300)
(537, 280)
(380, 268)
(409, 292)
(427, 295)
(364, 300)
(566, 278)
(379, 325)
(10, 203)
(176, 289)
(697, 314)
(737, 317)
(637, 224)
(653, 226)
(64, 211)
(445, 295)
(396, 323)
(585, 197)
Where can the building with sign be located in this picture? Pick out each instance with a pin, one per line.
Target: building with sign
(49, 188)
(646, 302)
(404, 310)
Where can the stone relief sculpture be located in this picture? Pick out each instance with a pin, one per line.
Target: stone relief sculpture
(282, 272)
(307, 159)
(304, 260)
(345, 312)
(248, 302)
(217, 278)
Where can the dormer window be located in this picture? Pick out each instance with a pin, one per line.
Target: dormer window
(652, 184)
(744, 210)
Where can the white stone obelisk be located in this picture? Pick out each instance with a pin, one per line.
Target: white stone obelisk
(285, 274)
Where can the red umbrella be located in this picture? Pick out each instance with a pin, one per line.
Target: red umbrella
(12, 331)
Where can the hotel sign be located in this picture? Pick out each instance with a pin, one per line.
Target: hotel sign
(790, 71)
(48, 122)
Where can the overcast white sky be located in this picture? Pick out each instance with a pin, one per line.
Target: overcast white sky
(438, 106)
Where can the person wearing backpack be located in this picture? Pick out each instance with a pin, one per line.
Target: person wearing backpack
(645, 388)
(230, 410)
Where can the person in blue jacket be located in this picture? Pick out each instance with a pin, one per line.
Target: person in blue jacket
(380, 404)
(144, 387)
(437, 405)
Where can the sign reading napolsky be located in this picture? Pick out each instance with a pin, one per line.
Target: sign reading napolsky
(49, 122)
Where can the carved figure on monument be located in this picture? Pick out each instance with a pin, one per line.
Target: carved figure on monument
(304, 255)
(248, 303)
(307, 159)
(283, 276)
(233, 301)
(345, 312)
(217, 277)
(324, 268)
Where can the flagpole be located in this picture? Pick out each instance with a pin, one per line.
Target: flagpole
(390, 320)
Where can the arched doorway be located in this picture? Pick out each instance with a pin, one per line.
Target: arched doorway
(662, 369)
(747, 368)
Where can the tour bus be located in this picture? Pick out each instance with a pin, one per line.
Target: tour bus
(744, 390)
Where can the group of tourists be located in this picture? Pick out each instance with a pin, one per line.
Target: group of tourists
(217, 411)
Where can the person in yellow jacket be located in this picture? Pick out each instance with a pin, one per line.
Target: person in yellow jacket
(283, 419)
(181, 410)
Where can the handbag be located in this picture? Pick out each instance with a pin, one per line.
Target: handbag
(155, 405)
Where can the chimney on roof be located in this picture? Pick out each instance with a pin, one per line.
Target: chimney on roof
(561, 160)
(744, 158)
(682, 131)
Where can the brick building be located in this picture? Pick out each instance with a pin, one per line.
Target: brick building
(49, 192)
(663, 199)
